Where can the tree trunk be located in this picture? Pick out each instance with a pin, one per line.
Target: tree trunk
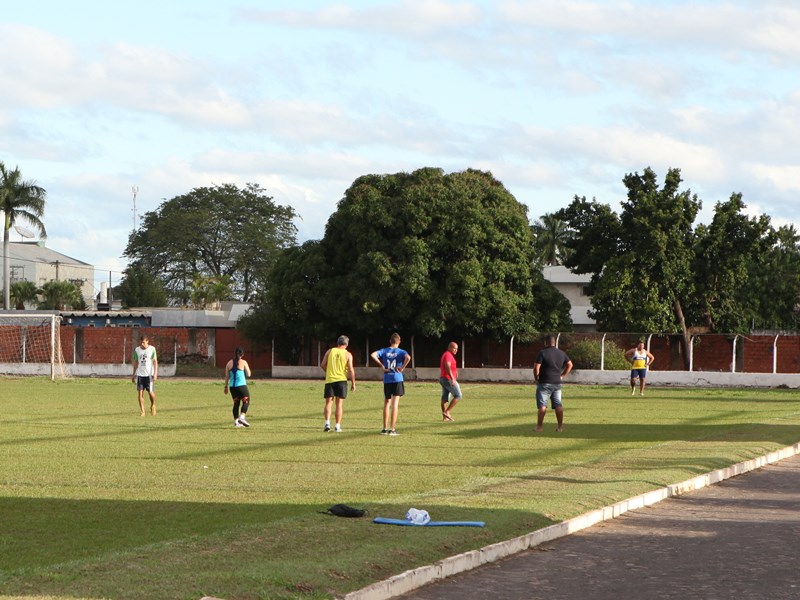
(6, 265)
(687, 339)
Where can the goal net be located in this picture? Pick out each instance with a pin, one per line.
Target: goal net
(31, 345)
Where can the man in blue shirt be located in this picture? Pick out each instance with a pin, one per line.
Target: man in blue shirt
(393, 360)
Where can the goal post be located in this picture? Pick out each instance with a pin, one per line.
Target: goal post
(30, 344)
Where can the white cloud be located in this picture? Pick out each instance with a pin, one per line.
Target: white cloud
(554, 97)
(782, 178)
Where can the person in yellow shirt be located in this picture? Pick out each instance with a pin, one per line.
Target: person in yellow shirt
(641, 359)
(338, 366)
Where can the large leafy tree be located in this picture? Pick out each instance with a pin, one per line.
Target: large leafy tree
(773, 285)
(430, 253)
(221, 231)
(641, 261)
(141, 288)
(423, 252)
(653, 270)
(288, 310)
(20, 199)
(725, 252)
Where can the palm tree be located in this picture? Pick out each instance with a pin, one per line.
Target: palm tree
(23, 292)
(551, 235)
(58, 295)
(18, 199)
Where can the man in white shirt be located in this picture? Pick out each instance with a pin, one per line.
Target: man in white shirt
(145, 372)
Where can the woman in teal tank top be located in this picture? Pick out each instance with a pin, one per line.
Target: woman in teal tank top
(236, 373)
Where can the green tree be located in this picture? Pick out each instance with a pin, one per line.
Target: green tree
(288, 310)
(23, 292)
(430, 253)
(60, 295)
(595, 235)
(773, 286)
(19, 199)
(140, 288)
(642, 263)
(218, 231)
(551, 235)
(725, 251)
(652, 270)
(207, 291)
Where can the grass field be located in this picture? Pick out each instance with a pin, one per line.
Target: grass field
(98, 502)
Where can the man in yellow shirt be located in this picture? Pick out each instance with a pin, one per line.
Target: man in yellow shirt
(640, 360)
(338, 366)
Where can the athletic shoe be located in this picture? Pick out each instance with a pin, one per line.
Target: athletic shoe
(237, 424)
(384, 432)
(243, 421)
(393, 432)
(337, 429)
(327, 428)
(633, 392)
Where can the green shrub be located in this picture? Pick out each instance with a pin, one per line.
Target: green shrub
(586, 355)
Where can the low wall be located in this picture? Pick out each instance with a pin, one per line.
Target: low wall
(690, 379)
(582, 376)
(80, 370)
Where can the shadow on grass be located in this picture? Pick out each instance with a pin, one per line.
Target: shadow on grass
(640, 432)
(132, 549)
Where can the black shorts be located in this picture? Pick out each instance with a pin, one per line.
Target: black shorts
(393, 389)
(144, 383)
(240, 392)
(336, 389)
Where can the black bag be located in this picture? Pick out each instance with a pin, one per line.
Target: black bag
(342, 510)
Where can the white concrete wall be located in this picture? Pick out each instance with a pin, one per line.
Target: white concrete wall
(80, 370)
(584, 376)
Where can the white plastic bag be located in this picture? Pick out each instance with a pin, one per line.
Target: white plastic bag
(417, 516)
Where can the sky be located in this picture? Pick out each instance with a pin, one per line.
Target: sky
(116, 107)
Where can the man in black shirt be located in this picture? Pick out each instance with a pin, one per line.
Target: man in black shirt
(549, 370)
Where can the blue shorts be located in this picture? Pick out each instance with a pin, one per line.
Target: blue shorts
(638, 373)
(449, 388)
(548, 391)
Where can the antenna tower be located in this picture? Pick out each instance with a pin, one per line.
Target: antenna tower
(135, 190)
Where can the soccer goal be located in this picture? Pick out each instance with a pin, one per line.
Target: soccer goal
(31, 345)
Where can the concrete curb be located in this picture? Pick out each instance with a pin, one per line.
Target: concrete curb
(416, 578)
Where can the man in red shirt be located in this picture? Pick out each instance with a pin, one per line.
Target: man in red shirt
(448, 378)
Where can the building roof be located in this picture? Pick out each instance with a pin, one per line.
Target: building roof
(37, 252)
(104, 314)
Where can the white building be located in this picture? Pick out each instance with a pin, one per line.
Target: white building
(32, 261)
(574, 288)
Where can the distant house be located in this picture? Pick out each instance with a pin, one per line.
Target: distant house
(32, 261)
(574, 288)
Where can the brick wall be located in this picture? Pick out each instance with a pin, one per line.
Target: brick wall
(110, 345)
(114, 345)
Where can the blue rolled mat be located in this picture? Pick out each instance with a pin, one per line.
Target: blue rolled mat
(385, 521)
